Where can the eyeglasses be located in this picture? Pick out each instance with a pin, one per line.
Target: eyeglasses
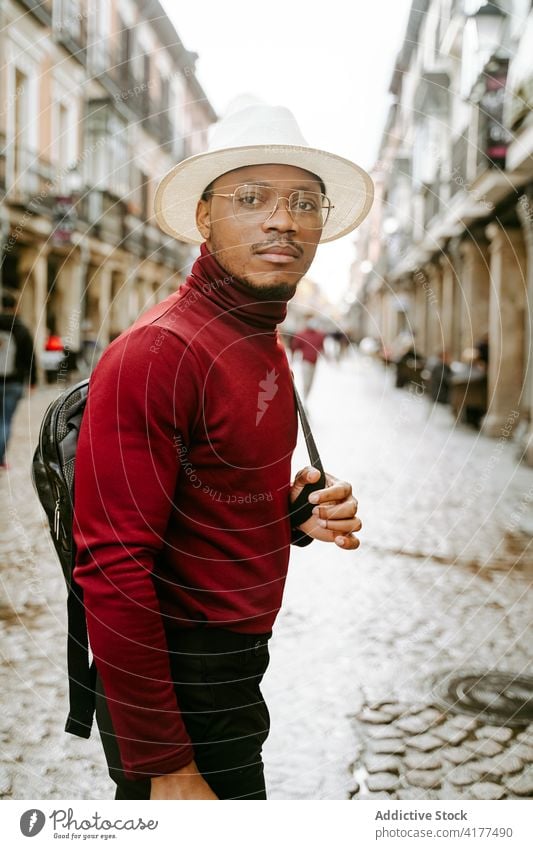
(256, 204)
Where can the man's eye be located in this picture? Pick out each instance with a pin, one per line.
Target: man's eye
(306, 203)
(253, 197)
(251, 200)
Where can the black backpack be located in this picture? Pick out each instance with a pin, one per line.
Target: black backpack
(53, 478)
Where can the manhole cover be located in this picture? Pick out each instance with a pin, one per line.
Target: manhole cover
(498, 698)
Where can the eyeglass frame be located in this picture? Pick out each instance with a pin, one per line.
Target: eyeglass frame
(280, 197)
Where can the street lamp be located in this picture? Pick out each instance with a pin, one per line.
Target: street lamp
(488, 18)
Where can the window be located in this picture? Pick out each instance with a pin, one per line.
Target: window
(117, 147)
(20, 125)
(136, 60)
(109, 160)
(99, 36)
(68, 19)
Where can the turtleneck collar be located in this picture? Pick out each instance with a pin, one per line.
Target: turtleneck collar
(231, 295)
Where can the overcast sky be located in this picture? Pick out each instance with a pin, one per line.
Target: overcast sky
(328, 61)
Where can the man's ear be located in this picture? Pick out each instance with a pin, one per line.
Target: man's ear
(203, 218)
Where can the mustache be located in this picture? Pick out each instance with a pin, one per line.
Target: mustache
(278, 243)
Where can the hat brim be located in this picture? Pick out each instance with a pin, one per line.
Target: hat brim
(348, 186)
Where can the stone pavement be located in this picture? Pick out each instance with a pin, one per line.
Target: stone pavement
(439, 583)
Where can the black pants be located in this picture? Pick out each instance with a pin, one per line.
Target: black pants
(216, 674)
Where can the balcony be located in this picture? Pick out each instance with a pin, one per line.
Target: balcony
(70, 29)
(433, 93)
(518, 112)
(104, 214)
(134, 235)
(99, 57)
(132, 90)
(144, 239)
(489, 93)
(116, 74)
(495, 172)
(158, 124)
(27, 179)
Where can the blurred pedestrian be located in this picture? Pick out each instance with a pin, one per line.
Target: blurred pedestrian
(477, 359)
(17, 367)
(340, 343)
(439, 372)
(482, 347)
(309, 342)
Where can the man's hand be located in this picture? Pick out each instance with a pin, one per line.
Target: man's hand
(333, 518)
(185, 783)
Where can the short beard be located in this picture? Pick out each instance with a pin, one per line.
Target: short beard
(276, 292)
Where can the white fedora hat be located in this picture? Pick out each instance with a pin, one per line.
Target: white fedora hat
(259, 134)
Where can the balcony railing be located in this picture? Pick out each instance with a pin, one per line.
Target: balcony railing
(70, 29)
(159, 125)
(30, 179)
(105, 214)
(144, 239)
(132, 86)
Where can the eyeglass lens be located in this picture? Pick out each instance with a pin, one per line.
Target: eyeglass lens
(309, 208)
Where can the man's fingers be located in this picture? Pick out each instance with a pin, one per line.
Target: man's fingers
(307, 475)
(340, 491)
(347, 541)
(341, 525)
(340, 510)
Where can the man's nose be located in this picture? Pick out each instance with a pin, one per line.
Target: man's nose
(281, 219)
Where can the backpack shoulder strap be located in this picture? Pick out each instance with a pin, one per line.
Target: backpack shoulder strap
(81, 673)
(301, 509)
(312, 450)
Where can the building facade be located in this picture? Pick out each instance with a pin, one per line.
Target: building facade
(98, 98)
(447, 254)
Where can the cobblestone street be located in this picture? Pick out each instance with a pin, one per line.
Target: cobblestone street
(439, 583)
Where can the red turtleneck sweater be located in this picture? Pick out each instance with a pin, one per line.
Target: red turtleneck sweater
(181, 493)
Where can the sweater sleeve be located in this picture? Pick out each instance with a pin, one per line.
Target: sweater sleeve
(141, 394)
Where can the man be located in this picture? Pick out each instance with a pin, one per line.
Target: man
(310, 343)
(183, 491)
(439, 373)
(17, 367)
